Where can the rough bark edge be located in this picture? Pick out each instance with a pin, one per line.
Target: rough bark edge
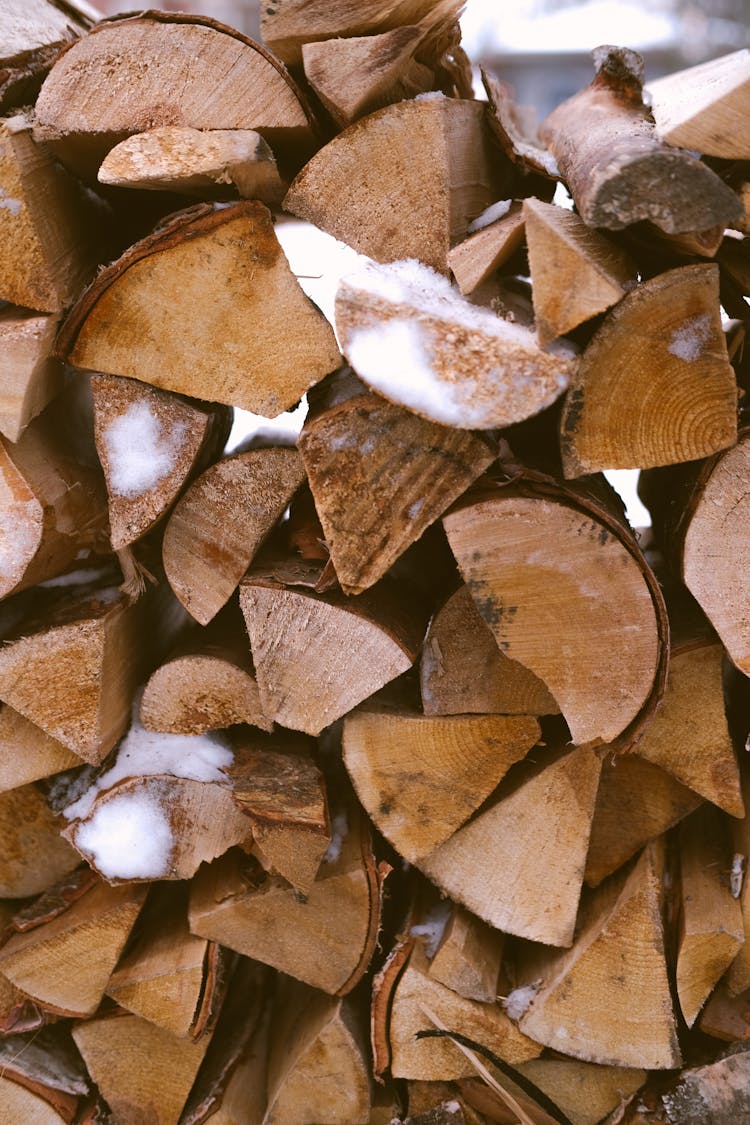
(383, 988)
(376, 874)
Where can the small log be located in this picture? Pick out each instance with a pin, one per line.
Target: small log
(606, 999)
(29, 377)
(717, 1092)
(178, 69)
(52, 229)
(636, 802)
(576, 273)
(543, 565)
(617, 169)
(467, 960)
(28, 754)
(43, 1078)
(660, 352)
(318, 1069)
(65, 964)
(584, 1091)
(34, 854)
(429, 159)
(420, 778)
(711, 927)
(208, 683)
(487, 249)
(705, 107)
(31, 39)
(149, 443)
(410, 337)
(139, 1067)
(379, 476)
(270, 343)
(317, 656)
(325, 938)
(213, 164)
(519, 864)
(725, 1016)
(462, 670)
(220, 523)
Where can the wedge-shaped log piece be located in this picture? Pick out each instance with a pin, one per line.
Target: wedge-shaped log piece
(607, 1000)
(32, 37)
(576, 273)
(705, 108)
(463, 671)
(636, 802)
(544, 566)
(221, 521)
(584, 1091)
(716, 1092)
(51, 228)
(414, 340)
(430, 159)
(725, 1016)
(380, 476)
(438, 1059)
(325, 938)
(420, 778)
(317, 656)
(711, 930)
(34, 853)
(487, 249)
(179, 70)
(214, 163)
(269, 342)
(27, 753)
(607, 149)
(467, 960)
(43, 1078)
(520, 863)
(143, 1071)
(654, 386)
(163, 973)
(688, 736)
(65, 964)
(318, 1066)
(29, 377)
(73, 669)
(149, 443)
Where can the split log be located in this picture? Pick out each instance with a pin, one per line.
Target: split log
(717, 1092)
(576, 273)
(519, 864)
(725, 1016)
(318, 1068)
(410, 337)
(64, 965)
(462, 670)
(213, 164)
(34, 854)
(420, 778)
(149, 443)
(636, 802)
(28, 754)
(711, 927)
(654, 386)
(516, 131)
(429, 159)
(467, 959)
(139, 1068)
(487, 249)
(543, 565)
(32, 37)
(607, 999)
(208, 683)
(606, 148)
(317, 656)
(220, 523)
(73, 670)
(29, 377)
(52, 231)
(705, 107)
(379, 476)
(200, 74)
(585, 1091)
(270, 343)
(325, 938)
(43, 1078)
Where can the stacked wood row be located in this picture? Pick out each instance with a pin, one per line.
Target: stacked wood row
(389, 775)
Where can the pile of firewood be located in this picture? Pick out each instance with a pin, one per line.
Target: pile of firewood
(387, 776)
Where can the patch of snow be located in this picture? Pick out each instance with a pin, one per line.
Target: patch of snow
(430, 96)
(737, 874)
(339, 832)
(433, 927)
(689, 340)
(10, 204)
(517, 1002)
(490, 215)
(128, 837)
(141, 452)
(78, 577)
